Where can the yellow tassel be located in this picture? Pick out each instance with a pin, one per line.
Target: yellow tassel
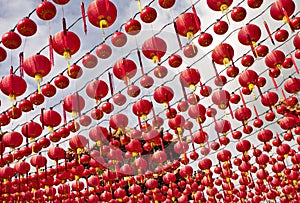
(189, 35)
(224, 9)
(154, 59)
(67, 55)
(140, 5)
(103, 24)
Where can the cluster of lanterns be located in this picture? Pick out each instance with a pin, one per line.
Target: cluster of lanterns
(200, 140)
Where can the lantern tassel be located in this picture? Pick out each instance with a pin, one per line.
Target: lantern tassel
(42, 116)
(21, 57)
(269, 32)
(64, 28)
(64, 114)
(295, 64)
(124, 73)
(177, 36)
(243, 100)
(140, 61)
(274, 82)
(230, 110)
(51, 50)
(157, 57)
(78, 105)
(83, 17)
(196, 17)
(139, 5)
(255, 111)
(215, 68)
(111, 83)
(283, 94)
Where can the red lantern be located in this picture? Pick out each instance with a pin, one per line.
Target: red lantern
(31, 130)
(154, 48)
(221, 98)
(56, 153)
(249, 34)
(281, 35)
(148, 14)
(50, 118)
(102, 13)
(25, 105)
(222, 54)
(118, 39)
(12, 139)
(74, 71)
(13, 86)
(46, 10)
(254, 3)
(224, 155)
(160, 71)
(163, 94)
(119, 99)
(37, 66)
(11, 40)
(187, 25)
(142, 108)
(103, 51)
(274, 59)
(133, 27)
(78, 143)
(22, 167)
(197, 112)
(248, 78)
(3, 54)
(61, 2)
(166, 3)
(220, 27)
(282, 9)
(73, 103)
(48, 90)
(38, 161)
(269, 99)
(190, 77)
(61, 82)
(97, 89)
(124, 69)
(243, 114)
(219, 5)
(175, 60)
(66, 43)
(265, 135)
(89, 61)
(26, 27)
(292, 85)
(205, 39)
(36, 98)
(238, 14)
(118, 121)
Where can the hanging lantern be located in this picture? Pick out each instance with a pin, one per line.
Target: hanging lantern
(221, 98)
(11, 40)
(187, 25)
(219, 5)
(66, 43)
(166, 3)
(269, 99)
(163, 95)
(197, 112)
(103, 51)
(38, 161)
(48, 90)
(13, 86)
(56, 154)
(118, 122)
(205, 39)
(26, 27)
(12, 139)
(254, 3)
(3, 54)
(148, 14)
(125, 69)
(89, 61)
(220, 27)
(61, 81)
(46, 10)
(75, 71)
(238, 14)
(190, 77)
(73, 103)
(31, 130)
(37, 66)
(154, 48)
(61, 2)
(102, 13)
(275, 59)
(222, 54)
(133, 27)
(296, 40)
(118, 39)
(282, 10)
(248, 79)
(78, 143)
(50, 118)
(142, 108)
(97, 89)
(250, 35)
(292, 85)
